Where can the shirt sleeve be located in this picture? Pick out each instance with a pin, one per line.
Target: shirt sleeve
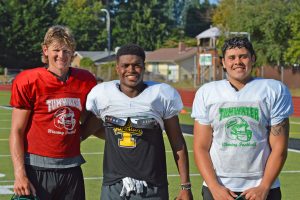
(199, 109)
(282, 106)
(21, 93)
(171, 100)
(91, 101)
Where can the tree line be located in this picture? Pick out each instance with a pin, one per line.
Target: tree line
(273, 25)
(150, 23)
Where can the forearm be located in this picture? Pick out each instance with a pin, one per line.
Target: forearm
(91, 126)
(182, 161)
(179, 148)
(100, 133)
(202, 144)
(16, 140)
(84, 134)
(205, 167)
(273, 167)
(17, 154)
(278, 141)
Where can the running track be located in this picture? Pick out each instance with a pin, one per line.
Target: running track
(188, 97)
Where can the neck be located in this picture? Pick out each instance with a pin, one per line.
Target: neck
(60, 74)
(239, 84)
(132, 92)
(58, 71)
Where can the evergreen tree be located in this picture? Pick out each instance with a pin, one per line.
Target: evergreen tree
(84, 19)
(198, 17)
(144, 22)
(22, 27)
(292, 55)
(263, 20)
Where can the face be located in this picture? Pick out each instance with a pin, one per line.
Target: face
(59, 56)
(130, 69)
(238, 63)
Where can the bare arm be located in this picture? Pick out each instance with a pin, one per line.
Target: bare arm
(16, 142)
(202, 143)
(278, 140)
(279, 144)
(180, 153)
(91, 126)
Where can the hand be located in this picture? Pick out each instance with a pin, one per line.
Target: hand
(185, 195)
(222, 193)
(256, 193)
(128, 186)
(23, 186)
(139, 185)
(132, 185)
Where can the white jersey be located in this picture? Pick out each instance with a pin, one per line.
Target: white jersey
(240, 121)
(159, 101)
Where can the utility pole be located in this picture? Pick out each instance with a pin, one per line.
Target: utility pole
(108, 29)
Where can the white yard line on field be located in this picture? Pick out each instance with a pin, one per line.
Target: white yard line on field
(101, 153)
(89, 153)
(6, 107)
(189, 135)
(294, 150)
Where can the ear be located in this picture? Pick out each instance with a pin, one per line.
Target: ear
(223, 62)
(253, 59)
(45, 50)
(117, 68)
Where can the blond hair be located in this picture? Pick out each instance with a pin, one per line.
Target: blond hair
(60, 34)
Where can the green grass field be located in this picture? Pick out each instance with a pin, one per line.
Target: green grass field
(92, 150)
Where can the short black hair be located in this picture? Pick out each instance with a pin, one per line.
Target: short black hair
(238, 42)
(131, 49)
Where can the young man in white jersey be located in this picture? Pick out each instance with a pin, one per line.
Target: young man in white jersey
(241, 129)
(48, 103)
(135, 113)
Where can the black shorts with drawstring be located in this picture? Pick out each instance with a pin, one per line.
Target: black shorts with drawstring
(57, 184)
(274, 194)
(151, 192)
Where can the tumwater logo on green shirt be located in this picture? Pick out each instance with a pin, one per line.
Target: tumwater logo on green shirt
(237, 128)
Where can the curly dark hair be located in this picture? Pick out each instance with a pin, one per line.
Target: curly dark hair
(238, 42)
(131, 49)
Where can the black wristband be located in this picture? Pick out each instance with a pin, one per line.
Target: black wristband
(186, 186)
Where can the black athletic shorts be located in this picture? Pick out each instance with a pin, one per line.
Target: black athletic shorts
(57, 184)
(274, 194)
(112, 192)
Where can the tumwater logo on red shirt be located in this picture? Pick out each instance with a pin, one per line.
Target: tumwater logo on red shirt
(64, 117)
(57, 103)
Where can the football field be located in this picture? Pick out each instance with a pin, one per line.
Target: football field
(92, 150)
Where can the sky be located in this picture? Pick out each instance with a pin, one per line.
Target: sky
(211, 1)
(214, 1)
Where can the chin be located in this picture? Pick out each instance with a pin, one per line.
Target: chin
(132, 84)
(63, 67)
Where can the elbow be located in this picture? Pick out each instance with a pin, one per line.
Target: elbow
(284, 154)
(280, 154)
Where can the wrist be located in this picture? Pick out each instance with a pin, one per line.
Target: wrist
(20, 172)
(186, 186)
(265, 186)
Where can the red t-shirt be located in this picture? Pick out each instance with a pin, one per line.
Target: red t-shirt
(53, 127)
